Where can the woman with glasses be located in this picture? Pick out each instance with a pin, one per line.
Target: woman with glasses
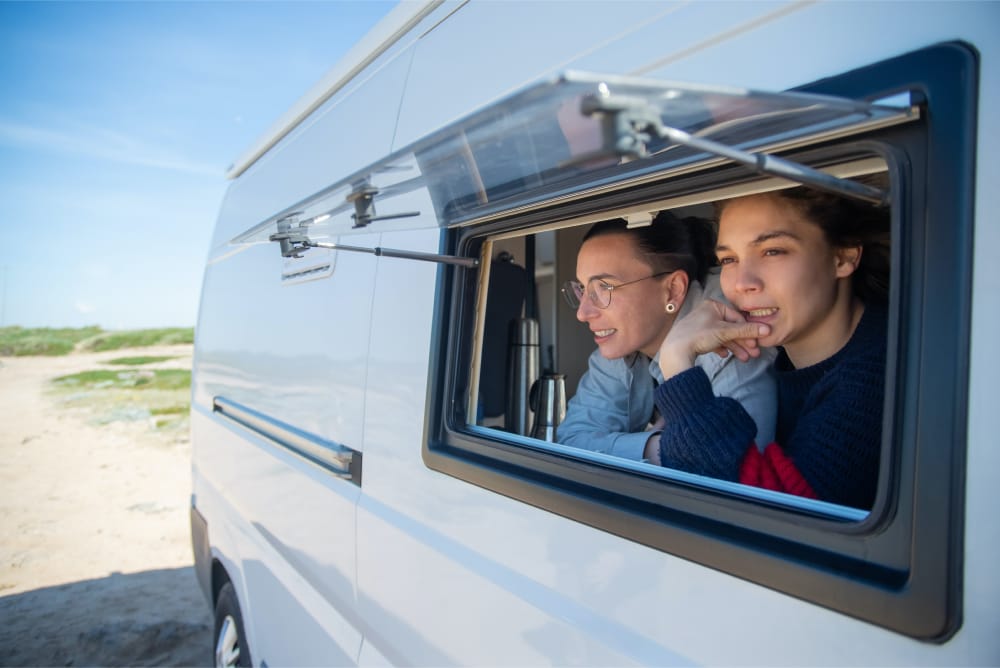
(632, 285)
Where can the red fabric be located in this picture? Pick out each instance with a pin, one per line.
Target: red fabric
(773, 470)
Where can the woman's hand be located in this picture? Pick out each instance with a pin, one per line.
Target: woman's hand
(710, 327)
(651, 453)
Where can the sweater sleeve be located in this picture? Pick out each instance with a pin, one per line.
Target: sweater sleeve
(703, 433)
(750, 383)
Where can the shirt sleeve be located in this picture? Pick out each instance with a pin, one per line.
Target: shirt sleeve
(598, 417)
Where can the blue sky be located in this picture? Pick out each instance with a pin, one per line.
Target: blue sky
(117, 124)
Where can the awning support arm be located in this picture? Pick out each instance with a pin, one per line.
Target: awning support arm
(294, 242)
(406, 255)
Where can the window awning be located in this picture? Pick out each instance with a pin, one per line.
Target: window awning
(566, 135)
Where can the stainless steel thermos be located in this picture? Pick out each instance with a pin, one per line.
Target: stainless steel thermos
(522, 372)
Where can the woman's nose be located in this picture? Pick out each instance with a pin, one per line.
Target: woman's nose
(747, 278)
(586, 310)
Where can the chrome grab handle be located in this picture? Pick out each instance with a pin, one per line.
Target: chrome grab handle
(334, 457)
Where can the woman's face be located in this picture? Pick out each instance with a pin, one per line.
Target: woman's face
(779, 269)
(635, 320)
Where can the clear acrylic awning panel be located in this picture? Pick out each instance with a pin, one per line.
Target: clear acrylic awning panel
(549, 140)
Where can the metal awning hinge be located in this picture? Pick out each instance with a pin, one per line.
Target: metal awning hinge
(362, 196)
(628, 123)
(293, 240)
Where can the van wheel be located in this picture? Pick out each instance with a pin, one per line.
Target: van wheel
(230, 639)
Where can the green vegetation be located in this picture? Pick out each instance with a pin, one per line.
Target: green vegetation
(170, 410)
(18, 341)
(154, 379)
(130, 393)
(138, 338)
(138, 361)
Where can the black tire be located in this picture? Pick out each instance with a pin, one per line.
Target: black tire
(230, 639)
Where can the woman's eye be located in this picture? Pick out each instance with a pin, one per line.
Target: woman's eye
(726, 260)
(770, 252)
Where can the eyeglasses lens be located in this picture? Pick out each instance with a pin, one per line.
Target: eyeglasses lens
(573, 292)
(599, 293)
(596, 291)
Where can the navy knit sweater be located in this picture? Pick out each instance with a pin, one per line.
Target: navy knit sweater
(829, 419)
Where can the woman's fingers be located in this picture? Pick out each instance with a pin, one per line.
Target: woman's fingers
(741, 339)
(729, 328)
(743, 349)
(748, 331)
(726, 312)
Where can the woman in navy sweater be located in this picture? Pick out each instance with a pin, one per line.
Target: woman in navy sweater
(807, 272)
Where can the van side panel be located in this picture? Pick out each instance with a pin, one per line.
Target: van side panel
(290, 556)
(495, 570)
(417, 567)
(294, 352)
(254, 349)
(449, 573)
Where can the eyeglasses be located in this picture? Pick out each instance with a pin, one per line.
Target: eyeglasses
(598, 290)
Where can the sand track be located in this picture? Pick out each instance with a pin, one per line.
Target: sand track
(95, 554)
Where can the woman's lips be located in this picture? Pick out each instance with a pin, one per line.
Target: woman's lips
(601, 334)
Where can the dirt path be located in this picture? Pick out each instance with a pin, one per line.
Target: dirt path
(95, 554)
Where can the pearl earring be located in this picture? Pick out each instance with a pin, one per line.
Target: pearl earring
(670, 307)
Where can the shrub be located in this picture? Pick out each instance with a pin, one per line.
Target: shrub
(18, 341)
(156, 379)
(138, 338)
(137, 361)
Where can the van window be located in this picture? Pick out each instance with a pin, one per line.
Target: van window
(893, 563)
(530, 352)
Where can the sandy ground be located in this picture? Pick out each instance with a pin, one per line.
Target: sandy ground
(96, 565)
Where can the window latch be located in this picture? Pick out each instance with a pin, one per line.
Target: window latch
(628, 123)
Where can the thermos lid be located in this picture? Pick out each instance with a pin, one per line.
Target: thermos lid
(524, 332)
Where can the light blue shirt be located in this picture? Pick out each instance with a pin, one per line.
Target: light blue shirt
(611, 409)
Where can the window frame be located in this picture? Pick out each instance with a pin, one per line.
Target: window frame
(901, 567)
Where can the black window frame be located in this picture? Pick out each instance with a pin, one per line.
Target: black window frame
(901, 568)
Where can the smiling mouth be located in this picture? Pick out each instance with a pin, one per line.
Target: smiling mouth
(760, 312)
(601, 333)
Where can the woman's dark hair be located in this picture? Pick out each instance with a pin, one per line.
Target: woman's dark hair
(669, 243)
(848, 222)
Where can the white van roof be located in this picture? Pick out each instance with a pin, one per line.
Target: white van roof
(386, 32)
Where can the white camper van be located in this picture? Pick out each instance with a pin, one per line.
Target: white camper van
(374, 480)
